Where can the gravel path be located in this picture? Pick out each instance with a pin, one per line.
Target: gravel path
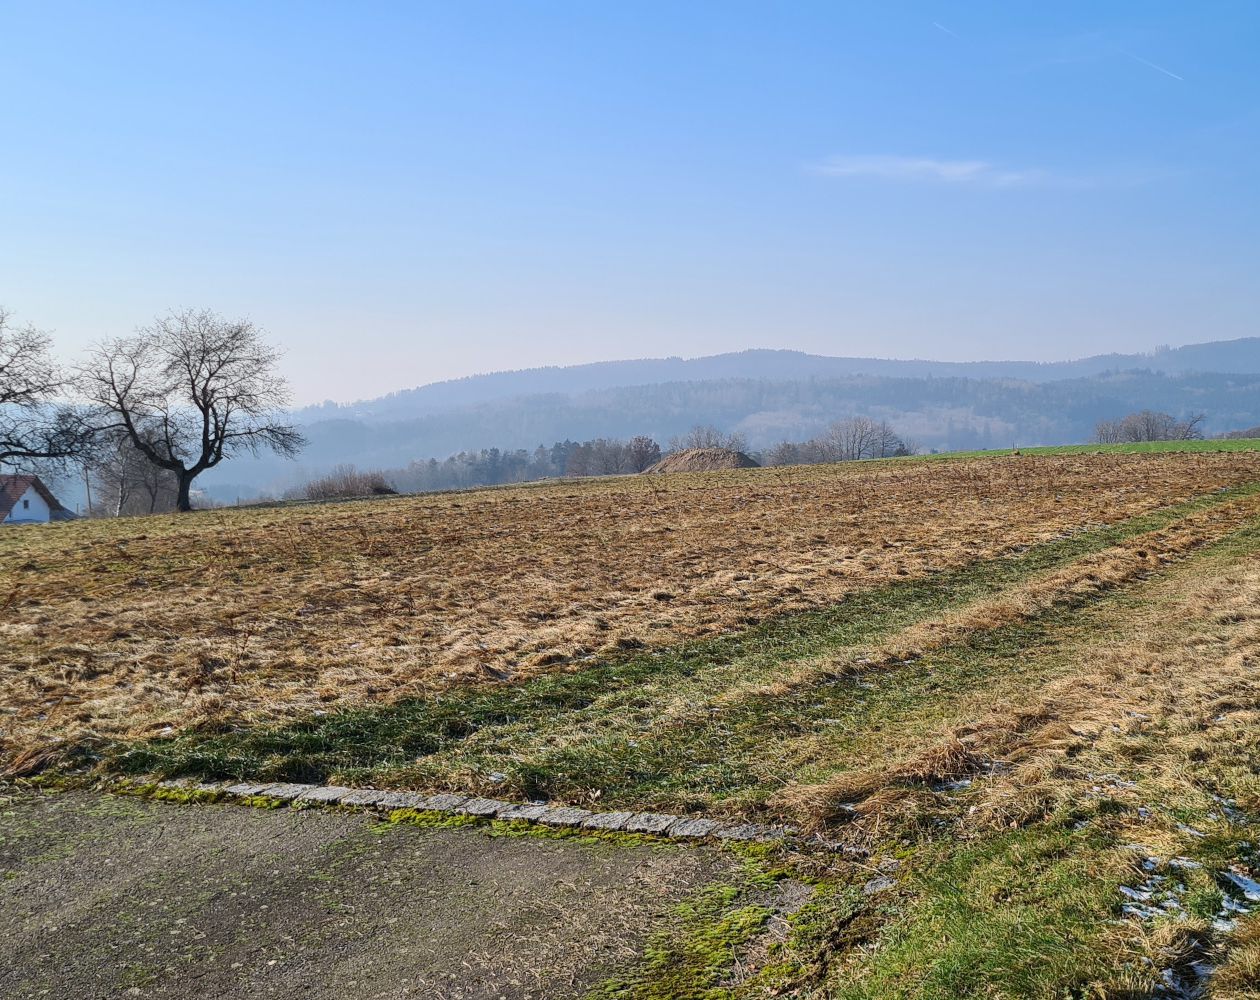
(102, 896)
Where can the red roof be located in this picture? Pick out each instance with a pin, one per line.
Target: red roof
(12, 487)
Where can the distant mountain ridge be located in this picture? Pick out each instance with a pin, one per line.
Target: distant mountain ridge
(768, 396)
(1240, 356)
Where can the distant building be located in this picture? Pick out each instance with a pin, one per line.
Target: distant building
(26, 500)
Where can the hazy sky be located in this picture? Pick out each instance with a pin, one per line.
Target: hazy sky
(403, 193)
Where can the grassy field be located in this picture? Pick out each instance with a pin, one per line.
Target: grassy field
(1018, 694)
(146, 626)
(1135, 448)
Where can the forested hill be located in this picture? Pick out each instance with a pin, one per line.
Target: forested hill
(944, 413)
(1230, 356)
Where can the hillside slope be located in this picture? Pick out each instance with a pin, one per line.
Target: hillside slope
(1233, 356)
(937, 413)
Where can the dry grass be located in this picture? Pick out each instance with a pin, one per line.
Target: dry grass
(1239, 976)
(130, 627)
(1088, 576)
(1085, 784)
(1172, 685)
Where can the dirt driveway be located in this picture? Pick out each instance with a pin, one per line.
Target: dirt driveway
(103, 896)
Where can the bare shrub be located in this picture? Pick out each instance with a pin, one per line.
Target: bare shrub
(1148, 425)
(345, 481)
(708, 436)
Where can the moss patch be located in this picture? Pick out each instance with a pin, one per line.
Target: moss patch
(692, 958)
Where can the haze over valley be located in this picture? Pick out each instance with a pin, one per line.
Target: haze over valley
(766, 396)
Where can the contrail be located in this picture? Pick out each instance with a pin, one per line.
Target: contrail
(1154, 66)
(937, 24)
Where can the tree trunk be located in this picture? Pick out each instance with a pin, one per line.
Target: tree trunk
(184, 502)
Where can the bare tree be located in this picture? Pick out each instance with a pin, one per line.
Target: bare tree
(783, 453)
(1149, 425)
(1108, 432)
(35, 427)
(643, 452)
(887, 443)
(191, 390)
(126, 482)
(708, 436)
(849, 439)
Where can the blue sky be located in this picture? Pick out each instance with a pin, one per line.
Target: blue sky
(403, 193)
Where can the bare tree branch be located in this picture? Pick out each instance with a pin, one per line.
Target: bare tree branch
(190, 391)
(36, 426)
(1149, 425)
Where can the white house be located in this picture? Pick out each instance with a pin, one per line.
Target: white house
(26, 500)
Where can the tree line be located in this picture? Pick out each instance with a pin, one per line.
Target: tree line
(489, 467)
(1149, 425)
(143, 415)
(849, 439)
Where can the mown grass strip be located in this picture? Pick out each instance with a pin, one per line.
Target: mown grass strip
(1207, 446)
(368, 741)
(1020, 914)
(744, 751)
(1039, 910)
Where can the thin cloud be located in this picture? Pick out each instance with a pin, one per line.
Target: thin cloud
(979, 173)
(952, 34)
(1155, 66)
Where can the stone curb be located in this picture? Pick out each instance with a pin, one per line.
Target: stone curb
(657, 824)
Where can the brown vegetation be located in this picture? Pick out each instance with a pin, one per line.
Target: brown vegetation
(703, 460)
(345, 481)
(1174, 681)
(139, 625)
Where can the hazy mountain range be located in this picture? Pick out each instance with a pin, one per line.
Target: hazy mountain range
(769, 396)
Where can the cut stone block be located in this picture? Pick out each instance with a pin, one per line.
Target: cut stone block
(608, 821)
(285, 791)
(400, 800)
(738, 831)
(362, 797)
(649, 823)
(693, 828)
(327, 794)
(246, 788)
(483, 807)
(524, 812)
(444, 803)
(564, 816)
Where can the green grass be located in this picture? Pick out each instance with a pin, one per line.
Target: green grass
(1020, 914)
(645, 730)
(1037, 911)
(1030, 911)
(690, 958)
(1138, 448)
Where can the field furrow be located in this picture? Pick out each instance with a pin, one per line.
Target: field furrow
(157, 625)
